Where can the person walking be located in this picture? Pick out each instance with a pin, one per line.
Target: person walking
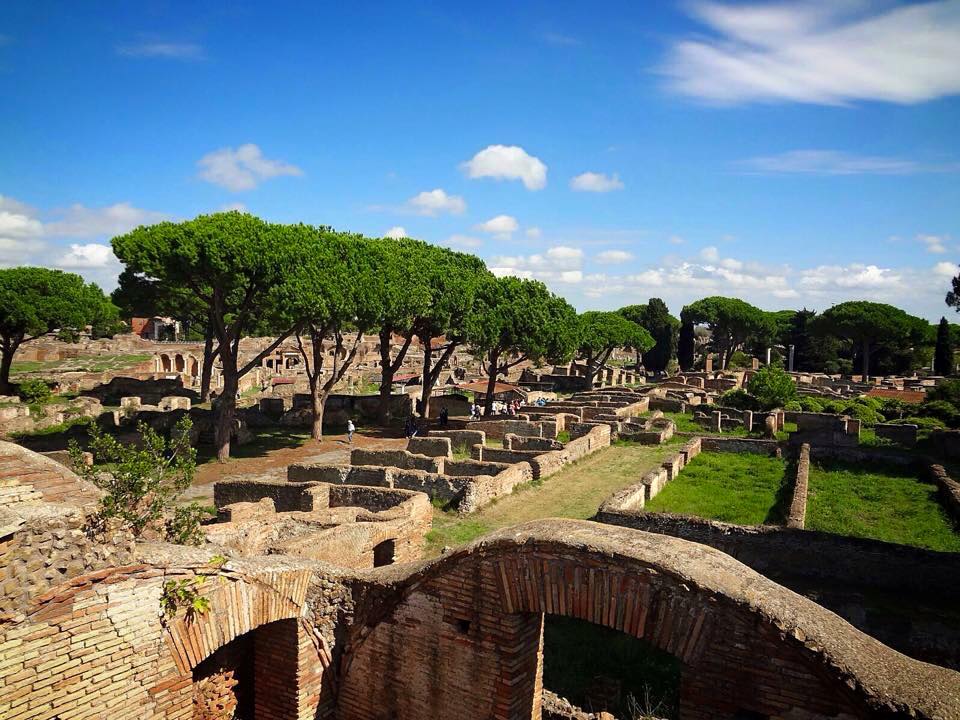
(351, 428)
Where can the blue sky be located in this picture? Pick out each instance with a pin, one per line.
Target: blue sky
(791, 154)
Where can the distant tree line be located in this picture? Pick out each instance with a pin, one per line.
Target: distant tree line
(231, 275)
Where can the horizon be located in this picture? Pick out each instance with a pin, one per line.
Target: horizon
(792, 155)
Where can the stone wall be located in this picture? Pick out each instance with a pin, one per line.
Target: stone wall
(396, 458)
(796, 517)
(461, 438)
(29, 476)
(430, 446)
(498, 428)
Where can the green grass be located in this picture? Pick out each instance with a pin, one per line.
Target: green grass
(89, 363)
(879, 502)
(746, 489)
(574, 492)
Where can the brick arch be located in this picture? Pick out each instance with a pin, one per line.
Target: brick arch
(238, 605)
(461, 636)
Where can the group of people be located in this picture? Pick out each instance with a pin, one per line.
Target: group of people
(498, 407)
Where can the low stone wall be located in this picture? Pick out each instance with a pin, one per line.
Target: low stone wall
(740, 445)
(430, 446)
(519, 442)
(498, 428)
(489, 454)
(396, 458)
(483, 490)
(469, 467)
(286, 497)
(444, 488)
(796, 518)
(905, 435)
(946, 443)
(461, 438)
(949, 490)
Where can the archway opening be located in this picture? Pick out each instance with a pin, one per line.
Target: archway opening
(254, 675)
(599, 669)
(165, 363)
(180, 364)
(384, 553)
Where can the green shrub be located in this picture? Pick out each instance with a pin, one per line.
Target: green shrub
(739, 400)
(739, 359)
(772, 387)
(34, 391)
(793, 406)
(948, 390)
(923, 423)
(942, 410)
(863, 413)
(810, 404)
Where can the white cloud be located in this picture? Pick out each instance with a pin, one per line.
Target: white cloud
(507, 162)
(710, 254)
(832, 162)
(596, 182)
(946, 270)
(15, 224)
(436, 202)
(934, 243)
(91, 255)
(396, 232)
(501, 226)
(676, 240)
(561, 264)
(242, 168)
(533, 233)
(165, 50)
(463, 242)
(820, 52)
(614, 256)
(81, 221)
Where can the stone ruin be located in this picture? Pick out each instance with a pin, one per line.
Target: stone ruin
(293, 630)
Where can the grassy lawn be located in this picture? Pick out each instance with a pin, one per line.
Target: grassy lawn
(879, 502)
(265, 440)
(740, 488)
(91, 363)
(574, 492)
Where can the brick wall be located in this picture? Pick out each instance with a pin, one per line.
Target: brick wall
(464, 636)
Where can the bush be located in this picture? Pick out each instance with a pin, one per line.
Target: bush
(739, 400)
(142, 483)
(810, 404)
(793, 406)
(923, 423)
(948, 390)
(772, 386)
(942, 410)
(863, 413)
(739, 359)
(34, 391)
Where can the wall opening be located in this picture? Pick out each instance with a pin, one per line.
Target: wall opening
(254, 675)
(383, 554)
(599, 669)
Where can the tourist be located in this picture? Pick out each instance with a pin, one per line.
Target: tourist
(351, 428)
(444, 417)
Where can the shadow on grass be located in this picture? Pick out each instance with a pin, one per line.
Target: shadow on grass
(780, 510)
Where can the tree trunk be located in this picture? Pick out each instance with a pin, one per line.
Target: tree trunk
(424, 403)
(318, 401)
(6, 361)
(866, 360)
(590, 371)
(388, 369)
(209, 355)
(493, 371)
(431, 374)
(226, 411)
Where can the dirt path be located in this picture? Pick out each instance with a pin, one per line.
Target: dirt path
(269, 455)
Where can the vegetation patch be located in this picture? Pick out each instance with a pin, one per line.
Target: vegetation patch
(746, 489)
(574, 492)
(879, 502)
